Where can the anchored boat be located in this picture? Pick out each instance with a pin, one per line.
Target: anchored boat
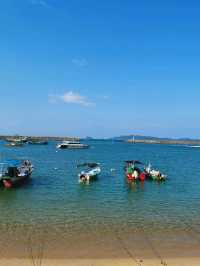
(137, 171)
(133, 172)
(91, 172)
(15, 172)
(72, 145)
(153, 174)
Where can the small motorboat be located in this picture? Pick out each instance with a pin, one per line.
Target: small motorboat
(72, 145)
(15, 172)
(153, 174)
(91, 172)
(133, 172)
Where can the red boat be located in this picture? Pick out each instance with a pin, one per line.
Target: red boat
(133, 172)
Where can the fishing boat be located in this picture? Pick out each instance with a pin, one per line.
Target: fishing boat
(133, 171)
(154, 174)
(72, 145)
(91, 172)
(15, 172)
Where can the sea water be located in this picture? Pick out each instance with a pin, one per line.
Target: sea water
(54, 199)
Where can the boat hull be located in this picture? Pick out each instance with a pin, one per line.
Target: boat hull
(15, 182)
(131, 178)
(156, 178)
(84, 178)
(72, 147)
(91, 175)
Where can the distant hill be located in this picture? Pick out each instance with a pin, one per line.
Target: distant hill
(140, 137)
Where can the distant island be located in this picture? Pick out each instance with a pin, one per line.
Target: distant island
(156, 140)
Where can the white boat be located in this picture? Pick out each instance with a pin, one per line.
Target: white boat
(72, 145)
(154, 174)
(91, 172)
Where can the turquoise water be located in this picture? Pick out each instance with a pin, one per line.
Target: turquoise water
(54, 197)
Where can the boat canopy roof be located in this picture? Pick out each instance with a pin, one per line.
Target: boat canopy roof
(90, 165)
(13, 162)
(133, 162)
(4, 165)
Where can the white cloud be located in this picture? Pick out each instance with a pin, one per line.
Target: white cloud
(71, 97)
(80, 62)
(40, 3)
(105, 97)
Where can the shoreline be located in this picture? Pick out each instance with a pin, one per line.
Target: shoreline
(132, 141)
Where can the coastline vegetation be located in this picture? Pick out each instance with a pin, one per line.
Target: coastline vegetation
(127, 139)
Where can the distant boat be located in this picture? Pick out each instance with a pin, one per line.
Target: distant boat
(17, 139)
(72, 145)
(37, 142)
(193, 146)
(14, 144)
(15, 172)
(91, 172)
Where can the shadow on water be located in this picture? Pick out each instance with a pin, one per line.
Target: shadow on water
(7, 195)
(135, 186)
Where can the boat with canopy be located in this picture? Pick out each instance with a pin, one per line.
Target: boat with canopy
(137, 171)
(15, 172)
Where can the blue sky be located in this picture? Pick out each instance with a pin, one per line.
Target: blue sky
(100, 68)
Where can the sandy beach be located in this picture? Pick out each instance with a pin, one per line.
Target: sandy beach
(193, 261)
(107, 250)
